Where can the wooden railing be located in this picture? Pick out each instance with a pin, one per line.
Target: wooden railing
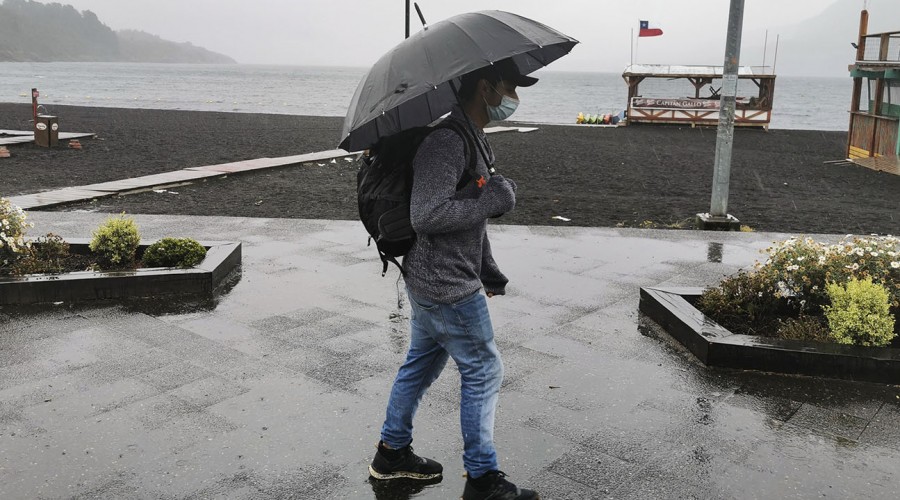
(694, 111)
(873, 135)
(882, 47)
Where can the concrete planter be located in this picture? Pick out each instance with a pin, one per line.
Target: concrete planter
(221, 259)
(715, 346)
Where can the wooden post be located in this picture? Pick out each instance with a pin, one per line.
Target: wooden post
(879, 93)
(857, 82)
(879, 96)
(34, 96)
(633, 82)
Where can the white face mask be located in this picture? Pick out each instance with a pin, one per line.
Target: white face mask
(503, 111)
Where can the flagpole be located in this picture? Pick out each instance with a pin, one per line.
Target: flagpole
(632, 46)
(407, 18)
(774, 62)
(637, 43)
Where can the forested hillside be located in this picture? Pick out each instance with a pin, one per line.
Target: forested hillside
(33, 31)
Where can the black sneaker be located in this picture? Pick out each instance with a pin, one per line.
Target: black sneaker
(393, 464)
(494, 486)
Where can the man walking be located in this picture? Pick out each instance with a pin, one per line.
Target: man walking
(445, 271)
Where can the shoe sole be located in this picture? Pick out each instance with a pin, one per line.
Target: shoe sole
(402, 475)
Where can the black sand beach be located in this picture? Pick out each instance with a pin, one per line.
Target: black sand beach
(632, 176)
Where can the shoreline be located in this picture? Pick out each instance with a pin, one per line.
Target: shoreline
(528, 123)
(637, 176)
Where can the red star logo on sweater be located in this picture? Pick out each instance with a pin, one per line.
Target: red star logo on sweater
(481, 182)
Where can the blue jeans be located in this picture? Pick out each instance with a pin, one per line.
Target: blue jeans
(461, 330)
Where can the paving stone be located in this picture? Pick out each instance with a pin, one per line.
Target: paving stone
(173, 375)
(595, 469)
(829, 421)
(277, 323)
(208, 391)
(884, 429)
(553, 485)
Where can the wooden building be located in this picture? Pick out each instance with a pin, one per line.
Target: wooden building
(701, 108)
(874, 135)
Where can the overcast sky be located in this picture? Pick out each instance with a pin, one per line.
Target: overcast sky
(356, 32)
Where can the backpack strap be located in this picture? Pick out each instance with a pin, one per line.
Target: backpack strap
(471, 172)
(385, 258)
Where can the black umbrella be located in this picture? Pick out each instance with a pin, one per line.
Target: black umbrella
(413, 84)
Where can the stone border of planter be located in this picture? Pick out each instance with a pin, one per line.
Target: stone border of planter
(714, 345)
(222, 258)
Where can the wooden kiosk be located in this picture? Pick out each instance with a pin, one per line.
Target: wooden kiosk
(874, 138)
(702, 108)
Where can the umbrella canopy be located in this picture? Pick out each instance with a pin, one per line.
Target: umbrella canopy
(410, 85)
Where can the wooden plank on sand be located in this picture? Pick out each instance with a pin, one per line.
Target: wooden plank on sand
(151, 181)
(57, 197)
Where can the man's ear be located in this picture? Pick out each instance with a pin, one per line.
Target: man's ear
(483, 87)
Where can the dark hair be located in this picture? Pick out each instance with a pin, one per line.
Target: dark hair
(469, 81)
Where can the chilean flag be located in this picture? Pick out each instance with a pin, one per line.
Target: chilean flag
(646, 30)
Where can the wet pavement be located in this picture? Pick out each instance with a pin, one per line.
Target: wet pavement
(277, 387)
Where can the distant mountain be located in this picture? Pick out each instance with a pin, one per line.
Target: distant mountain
(820, 46)
(33, 31)
(138, 46)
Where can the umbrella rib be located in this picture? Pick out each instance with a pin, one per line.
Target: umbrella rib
(540, 63)
(485, 58)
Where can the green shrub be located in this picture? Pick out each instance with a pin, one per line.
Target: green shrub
(48, 254)
(115, 242)
(174, 252)
(860, 313)
(12, 234)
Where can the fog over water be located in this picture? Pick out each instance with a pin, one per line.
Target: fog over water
(815, 34)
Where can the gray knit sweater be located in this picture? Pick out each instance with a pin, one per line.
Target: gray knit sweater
(451, 258)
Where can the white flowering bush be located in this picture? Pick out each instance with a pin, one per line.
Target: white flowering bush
(801, 268)
(792, 284)
(12, 234)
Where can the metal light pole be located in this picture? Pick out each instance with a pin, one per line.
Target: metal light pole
(407, 18)
(718, 210)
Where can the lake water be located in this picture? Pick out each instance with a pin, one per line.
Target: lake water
(800, 103)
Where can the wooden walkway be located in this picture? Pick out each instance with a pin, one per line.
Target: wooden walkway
(169, 179)
(179, 177)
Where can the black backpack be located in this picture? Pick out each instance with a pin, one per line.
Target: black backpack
(384, 186)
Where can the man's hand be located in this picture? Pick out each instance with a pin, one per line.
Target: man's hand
(490, 294)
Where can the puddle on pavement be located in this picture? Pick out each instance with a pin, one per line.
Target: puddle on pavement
(400, 489)
(714, 252)
(188, 304)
